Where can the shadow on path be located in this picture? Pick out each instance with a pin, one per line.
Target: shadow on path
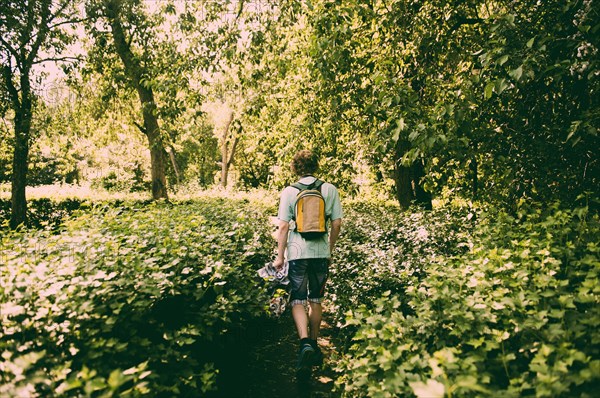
(263, 364)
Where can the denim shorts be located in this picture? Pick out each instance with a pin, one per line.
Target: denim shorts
(308, 277)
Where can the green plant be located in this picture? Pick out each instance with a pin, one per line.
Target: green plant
(516, 315)
(46, 212)
(128, 300)
(383, 249)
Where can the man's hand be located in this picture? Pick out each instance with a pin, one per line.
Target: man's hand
(336, 226)
(282, 237)
(278, 263)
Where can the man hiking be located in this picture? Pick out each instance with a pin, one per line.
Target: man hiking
(305, 209)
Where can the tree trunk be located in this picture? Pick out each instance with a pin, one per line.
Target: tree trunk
(404, 191)
(135, 72)
(224, 168)
(29, 34)
(18, 213)
(422, 197)
(22, 126)
(174, 164)
(157, 159)
(474, 166)
(474, 180)
(409, 180)
(402, 178)
(226, 158)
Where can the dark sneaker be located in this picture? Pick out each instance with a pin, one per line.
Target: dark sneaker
(317, 357)
(304, 363)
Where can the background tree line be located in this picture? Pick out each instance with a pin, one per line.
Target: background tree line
(489, 100)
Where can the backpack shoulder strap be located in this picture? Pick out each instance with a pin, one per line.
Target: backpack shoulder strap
(299, 186)
(317, 184)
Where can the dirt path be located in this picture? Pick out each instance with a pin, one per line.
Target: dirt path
(265, 365)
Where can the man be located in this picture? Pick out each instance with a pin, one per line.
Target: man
(308, 259)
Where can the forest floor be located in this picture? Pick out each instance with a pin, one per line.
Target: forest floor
(265, 368)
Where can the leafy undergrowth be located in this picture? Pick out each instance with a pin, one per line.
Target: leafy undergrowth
(511, 309)
(384, 249)
(50, 213)
(129, 300)
(49, 205)
(140, 299)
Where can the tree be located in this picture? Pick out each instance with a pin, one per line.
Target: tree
(165, 53)
(130, 29)
(369, 60)
(30, 33)
(540, 114)
(283, 112)
(224, 105)
(226, 131)
(229, 141)
(499, 98)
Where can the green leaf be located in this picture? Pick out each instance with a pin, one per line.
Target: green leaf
(516, 73)
(116, 379)
(500, 86)
(24, 362)
(489, 89)
(396, 135)
(530, 42)
(71, 383)
(430, 389)
(93, 385)
(413, 135)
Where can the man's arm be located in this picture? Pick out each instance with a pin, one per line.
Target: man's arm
(336, 226)
(282, 238)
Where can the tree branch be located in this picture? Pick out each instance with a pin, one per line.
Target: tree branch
(174, 163)
(9, 48)
(465, 21)
(58, 11)
(45, 27)
(140, 127)
(240, 10)
(232, 153)
(42, 34)
(123, 50)
(12, 90)
(68, 22)
(57, 59)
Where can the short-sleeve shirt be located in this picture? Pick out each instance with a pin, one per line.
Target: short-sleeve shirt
(297, 246)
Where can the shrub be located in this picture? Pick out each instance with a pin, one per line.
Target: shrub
(517, 315)
(45, 212)
(127, 301)
(384, 249)
(128, 178)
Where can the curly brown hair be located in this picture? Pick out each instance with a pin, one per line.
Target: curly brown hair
(305, 163)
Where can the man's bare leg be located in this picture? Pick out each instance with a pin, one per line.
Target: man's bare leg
(301, 320)
(315, 315)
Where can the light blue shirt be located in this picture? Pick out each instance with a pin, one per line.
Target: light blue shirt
(297, 246)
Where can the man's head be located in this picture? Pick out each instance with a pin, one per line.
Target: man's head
(305, 163)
